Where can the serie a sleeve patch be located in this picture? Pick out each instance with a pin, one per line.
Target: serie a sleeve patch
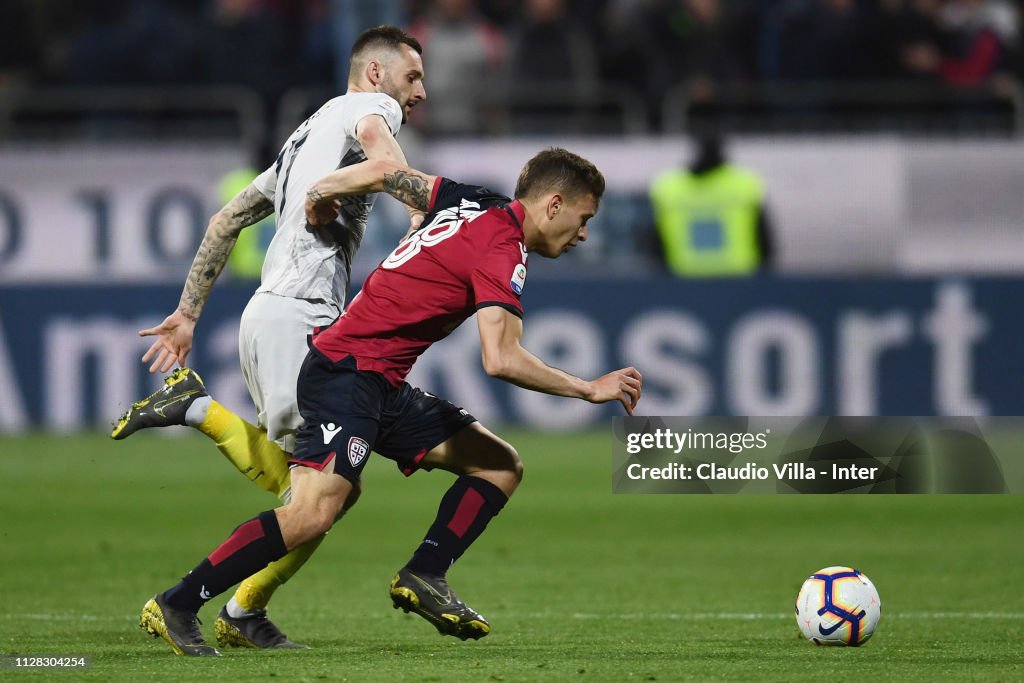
(518, 281)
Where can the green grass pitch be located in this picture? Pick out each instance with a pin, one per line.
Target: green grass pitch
(579, 584)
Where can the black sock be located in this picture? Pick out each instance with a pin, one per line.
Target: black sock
(251, 547)
(465, 510)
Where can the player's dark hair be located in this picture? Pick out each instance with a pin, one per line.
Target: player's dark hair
(385, 36)
(557, 169)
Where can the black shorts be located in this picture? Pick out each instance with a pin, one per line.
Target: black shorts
(347, 413)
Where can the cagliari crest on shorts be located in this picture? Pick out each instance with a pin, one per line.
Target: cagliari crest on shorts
(357, 450)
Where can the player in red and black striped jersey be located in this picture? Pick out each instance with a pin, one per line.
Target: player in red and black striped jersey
(469, 256)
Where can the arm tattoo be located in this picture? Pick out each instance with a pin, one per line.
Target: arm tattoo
(314, 195)
(247, 208)
(410, 188)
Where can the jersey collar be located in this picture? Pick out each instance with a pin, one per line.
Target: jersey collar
(516, 210)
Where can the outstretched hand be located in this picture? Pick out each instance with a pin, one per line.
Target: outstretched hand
(173, 342)
(624, 386)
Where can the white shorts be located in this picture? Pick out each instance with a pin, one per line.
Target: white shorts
(271, 347)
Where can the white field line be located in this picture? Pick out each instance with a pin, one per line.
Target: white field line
(764, 616)
(635, 616)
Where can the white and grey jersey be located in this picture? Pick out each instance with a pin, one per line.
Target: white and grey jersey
(316, 263)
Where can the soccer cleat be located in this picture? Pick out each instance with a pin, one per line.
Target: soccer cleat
(179, 628)
(432, 598)
(164, 407)
(256, 631)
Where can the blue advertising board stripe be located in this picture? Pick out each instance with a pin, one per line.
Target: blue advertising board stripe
(760, 346)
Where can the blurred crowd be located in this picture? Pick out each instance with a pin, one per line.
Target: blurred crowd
(569, 49)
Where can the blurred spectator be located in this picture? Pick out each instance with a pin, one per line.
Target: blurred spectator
(710, 217)
(465, 50)
(892, 24)
(621, 45)
(549, 56)
(18, 48)
(137, 43)
(977, 38)
(309, 39)
(699, 43)
(349, 18)
(244, 45)
(817, 40)
(707, 58)
(690, 44)
(500, 11)
(98, 52)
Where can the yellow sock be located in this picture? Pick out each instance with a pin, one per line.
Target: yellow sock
(254, 593)
(261, 460)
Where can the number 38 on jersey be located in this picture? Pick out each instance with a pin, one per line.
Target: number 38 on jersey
(445, 224)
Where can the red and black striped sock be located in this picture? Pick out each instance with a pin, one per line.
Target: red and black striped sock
(465, 510)
(251, 547)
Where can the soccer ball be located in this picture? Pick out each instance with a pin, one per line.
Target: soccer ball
(838, 606)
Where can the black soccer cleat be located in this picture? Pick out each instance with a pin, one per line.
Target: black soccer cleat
(179, 628)
(256, 631)
(164, 407)
(432, 598)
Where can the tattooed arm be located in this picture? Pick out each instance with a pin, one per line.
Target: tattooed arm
(247, 208)
(380, 144)
(407, 185)
(174, 335)
(410, 186)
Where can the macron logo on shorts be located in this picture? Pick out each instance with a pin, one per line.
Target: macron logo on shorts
(330, 431)
(357, 450)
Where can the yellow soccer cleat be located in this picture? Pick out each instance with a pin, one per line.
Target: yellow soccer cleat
(432, 598)
(180, 629)
(255, 631)
(164, 407)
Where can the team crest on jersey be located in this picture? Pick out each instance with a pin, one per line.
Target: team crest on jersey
(357, 450)
(518, 279)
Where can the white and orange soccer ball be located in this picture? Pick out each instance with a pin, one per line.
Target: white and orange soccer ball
(838, 606)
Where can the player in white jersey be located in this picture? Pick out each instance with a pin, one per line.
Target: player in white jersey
(303, 285)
